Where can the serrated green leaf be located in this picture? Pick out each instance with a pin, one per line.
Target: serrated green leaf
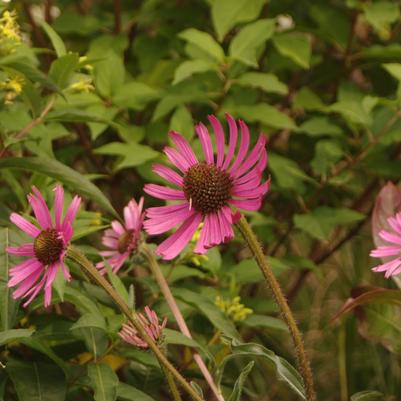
(103, 381)
(63, 68)
(109, 74)
(296, 46)
(320, 126)
(135, 95)
(190, 67)
(327, 153)
(56, 40)
(269, 83)
(247, 43)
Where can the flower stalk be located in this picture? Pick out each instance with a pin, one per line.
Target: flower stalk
(302, 358)
(165, 289)
(75, 255)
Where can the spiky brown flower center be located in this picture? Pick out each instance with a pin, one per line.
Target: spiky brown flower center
(207, 187)
(126, 241)
(48, 247)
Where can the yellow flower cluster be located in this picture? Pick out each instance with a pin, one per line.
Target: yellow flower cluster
(11, 88)
(84, 85)
(233, 308)
(10, 36)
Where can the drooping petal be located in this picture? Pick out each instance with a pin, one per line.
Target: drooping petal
(232, 141)
(384, 251)
(22, 250)
(243, 149)
(24, 225)
(174, 244)
(206, 142)
(165, 211)
(160, 192)
(161, 225)
(23, 270)
(58, 205)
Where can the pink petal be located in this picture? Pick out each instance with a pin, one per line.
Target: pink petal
(168, 174)
(395, 239)
(27, 284)
(23, 250)
(247, 204)
(243, 149)
(184, 147)
(218, 130)
(165, 211)
(206, 142)
(40, 209)
(255, 172)
(174, 244)
(384, 251)
(58, 205)
(225, 227)
(117, 227)
(232, 142)
(395, 225)
(246, 191)
(65, 270)
(161, 225)
(24, 270)
(165, 193)
(72, 211)
(33, 292)
(24, 225)
(177, 159)
(203, 241)
(110, 242)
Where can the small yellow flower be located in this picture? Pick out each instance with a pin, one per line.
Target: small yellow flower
(11, 87)
(84, 85)
(9, 28)
(84, 65)
(233, 308)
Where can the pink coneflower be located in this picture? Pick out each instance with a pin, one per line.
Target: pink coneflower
(390, 253)
(46, 253)
(122, 239)
(207, 190)
(150, 323)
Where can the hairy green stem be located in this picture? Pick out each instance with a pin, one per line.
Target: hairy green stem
(165, 289)
(75, 255)
(170, 380)
(302, 358)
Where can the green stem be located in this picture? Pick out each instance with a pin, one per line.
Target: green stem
(75, 255)
(302, 358)
(170, 381)
(165, 289)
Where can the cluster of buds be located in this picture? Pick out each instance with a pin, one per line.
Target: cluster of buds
(10, 36)
(233, 308)
(11, 87)
(150, 323)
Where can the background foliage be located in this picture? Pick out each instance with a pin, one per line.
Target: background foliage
(87, 98)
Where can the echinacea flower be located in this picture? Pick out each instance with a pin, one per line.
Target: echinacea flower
(207, 190)
(46, 253)
(122, 239)
(150, 323)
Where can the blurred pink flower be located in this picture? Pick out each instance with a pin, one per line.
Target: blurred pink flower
(122, 239)
(150, 323)
(207, 189)
(386, 230)
(46, 253)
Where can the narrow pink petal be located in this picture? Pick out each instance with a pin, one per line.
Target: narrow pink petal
(50, 277)
(394, 239)
(184, 147)
(257, 171)
(248, 192)
(386, 266)
(65, 270)
(206, 142)
(129, 219)
(24, 225)
(252, 158)
(165, 211)
(395, 225)
(40, 209)
(214, 234)
(58, 205)
(219, 131)
(232, 141)
(226, 229)
(243, 149)
(177, 159)
(247, 204)
(23, 250)
(110, 242)
(203, 241)
(24, 270)
(67, 232)
(168, 174)
(117, 227)
(33, 292)
(27, 284)
(161, 225)
(383, 251)
(174, 244)
(72, 211)
(108, 253)
(160, 192)
(110, 233)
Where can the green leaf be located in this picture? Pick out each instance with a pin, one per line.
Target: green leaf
(8, 306)
(57, 42)
(177, 338)
(89, 320)
(131, 155)
(266, 114)
(320, 126)
(239, 384)
(269, 83)
(190, 67)
(135, 95)
(208, 308)
(205, 42)
(181, 121)
(296, 46)
(284, 370)
(127, 392)
(394, 69)
(247, 43)
(381, 15)
(37, 381)
(63, 68)
(104, 382)
(227, 13)
(308, 100)
(267, 322)
(15, 334)
(117, 283)
(109, 74)
(62, 173)
(367, 395)
(352, 111)
(327, 153)
(321, 221)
